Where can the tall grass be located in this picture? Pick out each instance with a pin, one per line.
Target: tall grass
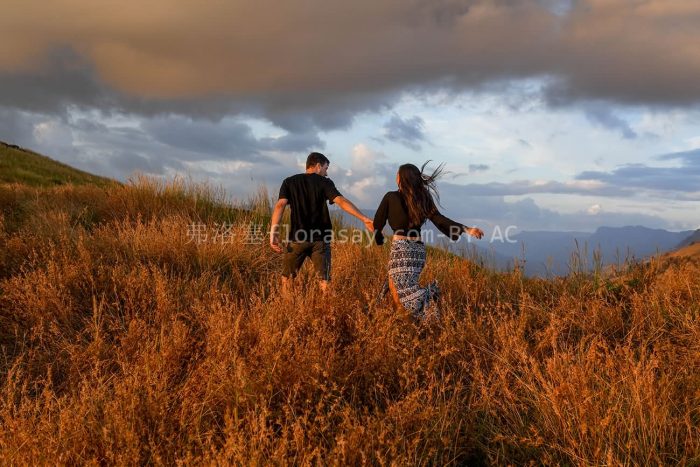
(123, 341)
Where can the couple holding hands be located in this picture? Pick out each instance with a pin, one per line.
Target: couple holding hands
(406, 210)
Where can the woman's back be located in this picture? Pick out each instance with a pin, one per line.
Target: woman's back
(393, 209)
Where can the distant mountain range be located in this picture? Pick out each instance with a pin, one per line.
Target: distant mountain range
(557, 252)
(692, 239)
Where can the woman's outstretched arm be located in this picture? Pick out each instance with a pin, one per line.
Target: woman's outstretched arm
(380, 218)
(453, 229)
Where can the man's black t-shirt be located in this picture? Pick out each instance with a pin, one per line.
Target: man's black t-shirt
(307, 195)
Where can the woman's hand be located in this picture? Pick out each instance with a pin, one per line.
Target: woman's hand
(474, 232)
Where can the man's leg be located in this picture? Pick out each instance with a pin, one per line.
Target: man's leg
(287, 285)
(324, 285)
(293, 260)
(321, 257)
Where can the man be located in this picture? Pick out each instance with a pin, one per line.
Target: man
(311, 230)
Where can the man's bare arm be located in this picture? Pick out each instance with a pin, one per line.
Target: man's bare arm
(347, 206)
(275, 225)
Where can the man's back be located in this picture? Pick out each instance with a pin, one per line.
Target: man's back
(307, 194)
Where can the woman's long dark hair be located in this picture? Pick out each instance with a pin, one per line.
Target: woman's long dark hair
(417, 190)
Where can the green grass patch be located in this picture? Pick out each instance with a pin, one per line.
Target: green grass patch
(19, 165)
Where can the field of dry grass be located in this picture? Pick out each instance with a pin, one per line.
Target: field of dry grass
(125, 342)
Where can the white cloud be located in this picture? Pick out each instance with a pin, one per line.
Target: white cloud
(364, 160)
(366, 177)
(594, 210)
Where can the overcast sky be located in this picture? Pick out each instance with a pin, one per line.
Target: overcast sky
(549, 115)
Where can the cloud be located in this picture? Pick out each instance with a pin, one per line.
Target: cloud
(473, 168)
(367, 178)
(525, 187)
(526, 214)
(225, 152)
(478, 168)
(408, 132)
(190, 74)
(117, 150)
(594, 209)
(689, 159)
(667, 180)
(317, 64)
(681, 182)
(225, 140)
(62, 79)
(128, 162)
(602, 115)
(17, 127)
(490, 211)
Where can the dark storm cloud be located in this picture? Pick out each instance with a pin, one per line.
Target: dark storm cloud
(293, 142)
(126, 162)
(235, 141)
(316, 64)
(224, 140)
(64, 79)
(17, 127)
(408, 132)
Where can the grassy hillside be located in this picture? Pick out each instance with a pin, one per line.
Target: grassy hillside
(693, 238)
(126, 341)
(691, 251)
(19, 165)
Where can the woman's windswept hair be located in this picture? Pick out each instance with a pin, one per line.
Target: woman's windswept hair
(418, 190)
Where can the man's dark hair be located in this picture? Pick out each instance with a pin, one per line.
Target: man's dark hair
(316, 158)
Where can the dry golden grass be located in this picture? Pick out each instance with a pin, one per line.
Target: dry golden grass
(124, 342)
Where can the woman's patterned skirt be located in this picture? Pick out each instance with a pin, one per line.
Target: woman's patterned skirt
(406, 261)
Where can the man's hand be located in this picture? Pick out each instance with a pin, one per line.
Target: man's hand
(347, 206)
(275, 224)
(474, 232)
(275, 241)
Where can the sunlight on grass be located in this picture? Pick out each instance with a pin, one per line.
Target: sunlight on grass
(125, 341)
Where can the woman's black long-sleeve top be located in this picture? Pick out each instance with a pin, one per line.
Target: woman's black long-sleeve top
(393, 208)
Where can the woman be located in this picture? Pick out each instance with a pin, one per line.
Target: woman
(406, 210)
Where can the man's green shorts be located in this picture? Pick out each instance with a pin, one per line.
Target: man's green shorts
(297, 252)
